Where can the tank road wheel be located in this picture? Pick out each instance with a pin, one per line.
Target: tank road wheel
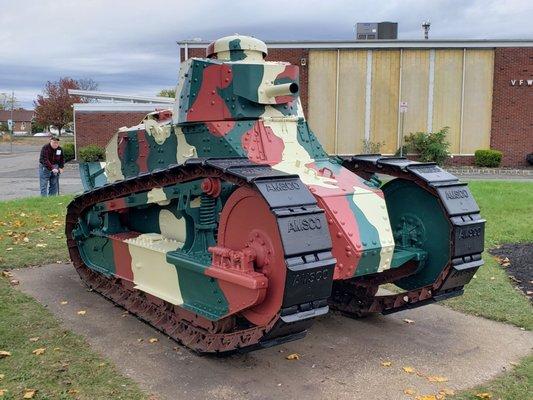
(247, 222)
(418, 220)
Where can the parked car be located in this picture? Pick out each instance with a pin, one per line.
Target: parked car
(42, 134)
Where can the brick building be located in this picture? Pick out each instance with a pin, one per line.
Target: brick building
(351, 91)
(21, 120)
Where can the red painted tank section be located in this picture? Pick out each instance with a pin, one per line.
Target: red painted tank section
(262, 145)
(115, 204)
(246, 220)
(344, 230)
(220, 128)
(209, 106)
(121, 254)
(144, 150)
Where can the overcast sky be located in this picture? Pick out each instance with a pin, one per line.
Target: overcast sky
(129, 46)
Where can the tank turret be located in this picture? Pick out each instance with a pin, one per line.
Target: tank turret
(225, 224)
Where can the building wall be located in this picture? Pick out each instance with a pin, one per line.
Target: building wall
(512, 106)
(354, 96)
(98, 127)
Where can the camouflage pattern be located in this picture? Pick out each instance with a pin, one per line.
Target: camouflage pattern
(232, 104)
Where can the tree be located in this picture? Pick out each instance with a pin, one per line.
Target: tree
(87, 84)
(167, 93)
(7, 101)
(54, 107)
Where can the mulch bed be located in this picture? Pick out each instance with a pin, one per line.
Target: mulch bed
(517, 260)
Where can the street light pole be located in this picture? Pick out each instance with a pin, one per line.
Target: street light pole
(12, 122)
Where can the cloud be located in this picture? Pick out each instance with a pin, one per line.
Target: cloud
(130, 45)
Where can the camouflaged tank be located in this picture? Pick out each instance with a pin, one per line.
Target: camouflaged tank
(225, 224)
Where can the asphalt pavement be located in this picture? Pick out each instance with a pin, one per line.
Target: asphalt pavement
(340, 358)
(19, 174)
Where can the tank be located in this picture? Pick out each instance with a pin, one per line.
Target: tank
(223, 222)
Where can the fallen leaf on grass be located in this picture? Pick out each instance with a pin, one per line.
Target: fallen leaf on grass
(34, 339)
(29, 393)
(41, 245)
(101, 365)
(26, 240)
(447, 392)
(57, 348)
(7, 274)
(484, 395)
(293, 357)
(409, 370)
(408, 321)
(4, 354)
(2, 376)
(39, 351)
(73, 392)
(426, 397)
(82, 312)
(153, 340)
(409, 392)
(14, 281)
(63, 302)
(386, 363)
(140, 340)
(3, 391)
(9, 249)
(437, 379)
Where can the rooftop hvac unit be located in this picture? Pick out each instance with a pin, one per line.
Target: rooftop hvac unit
(376, 30)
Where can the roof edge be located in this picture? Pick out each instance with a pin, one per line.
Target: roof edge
(349, 44)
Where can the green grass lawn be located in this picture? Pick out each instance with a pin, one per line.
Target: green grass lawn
(508, 209)
(68, 368)
(31, 233)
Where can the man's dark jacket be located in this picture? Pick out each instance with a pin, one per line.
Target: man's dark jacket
(50, 157)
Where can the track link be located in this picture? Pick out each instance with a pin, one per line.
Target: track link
(288, 198)
(356, 297)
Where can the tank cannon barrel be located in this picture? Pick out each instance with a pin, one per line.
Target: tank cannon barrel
(285, 89)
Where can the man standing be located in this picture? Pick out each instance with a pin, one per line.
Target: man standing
(51, 163)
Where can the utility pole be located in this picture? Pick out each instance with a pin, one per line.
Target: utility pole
(426, 25)
(12, 122)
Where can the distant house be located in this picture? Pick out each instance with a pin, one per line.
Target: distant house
(21, 118)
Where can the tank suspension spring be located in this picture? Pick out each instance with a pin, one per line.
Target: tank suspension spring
(207, 211)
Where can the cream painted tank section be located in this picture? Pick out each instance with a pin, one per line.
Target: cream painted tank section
(151, 271)
(172, 227)
(184, 150)
(322, 90)
(447, 94)
(375, 210)
(352, 88)
(113, 166)
(414, 90)
(477, 101)
(384, 112)
(295, 157)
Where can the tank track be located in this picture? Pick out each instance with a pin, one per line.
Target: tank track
(305, 254)
(357, 296)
